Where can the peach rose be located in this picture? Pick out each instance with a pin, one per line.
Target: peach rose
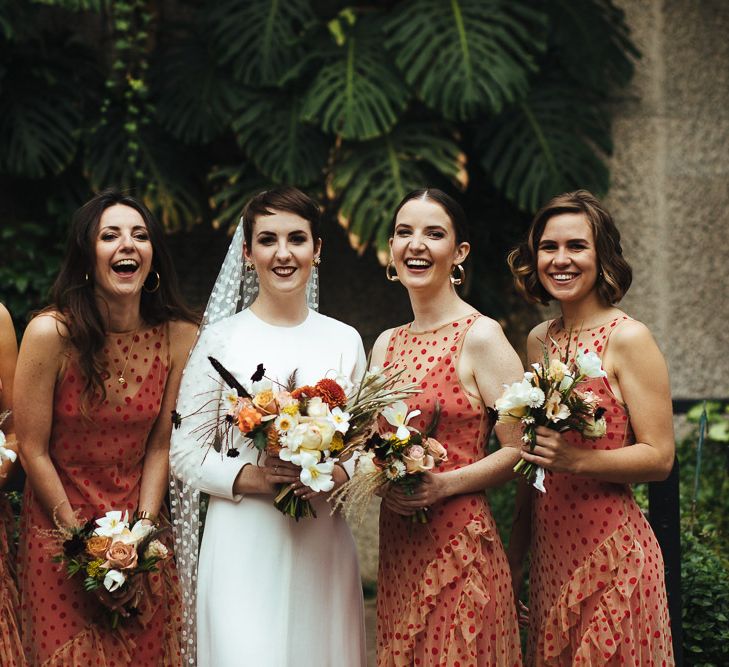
(248, 419)
(440, 453)
(266, 402)
(121, 556)
(416, 460)
(97, 546)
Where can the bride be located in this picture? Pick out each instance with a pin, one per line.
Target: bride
(270, 591)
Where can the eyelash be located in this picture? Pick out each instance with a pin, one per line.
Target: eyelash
(268, 240)
(111, 237)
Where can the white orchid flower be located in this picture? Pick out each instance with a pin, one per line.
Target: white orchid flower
(340, 377)
(340, 420)
(137, 533)
(112, 524)
(538, 482)
(114, 579)
(590, 365)
(317, 476)
(397, 415)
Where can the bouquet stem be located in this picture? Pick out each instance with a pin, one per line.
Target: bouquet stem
(420, 516)
(292, 505)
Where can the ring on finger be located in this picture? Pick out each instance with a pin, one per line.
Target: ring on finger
(275, 470)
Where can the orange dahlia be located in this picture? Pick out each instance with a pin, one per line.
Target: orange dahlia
(331, 393)
(306, 391)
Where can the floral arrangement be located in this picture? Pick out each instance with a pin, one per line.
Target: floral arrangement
(548, 396)
(312, 426)
(6, 454)
(399, 457)
(108, 552)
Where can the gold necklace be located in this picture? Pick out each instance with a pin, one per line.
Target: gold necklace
(121, 379)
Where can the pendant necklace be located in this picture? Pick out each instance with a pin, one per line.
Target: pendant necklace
(121, 379)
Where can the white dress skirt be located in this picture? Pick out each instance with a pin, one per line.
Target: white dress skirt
(271, 592)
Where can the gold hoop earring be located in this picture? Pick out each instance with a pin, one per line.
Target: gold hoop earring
(393, 278)
(458, 280)
(156, 287)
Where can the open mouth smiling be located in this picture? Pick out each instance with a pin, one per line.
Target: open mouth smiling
(284, 271)
(125, 267)
(563, 277)
(418, 264)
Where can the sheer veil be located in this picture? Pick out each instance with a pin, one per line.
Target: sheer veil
(235, 289)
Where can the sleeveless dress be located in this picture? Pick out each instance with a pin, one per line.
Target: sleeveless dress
(11, 648)
(444, 593)
(99, 459)
(597, 588)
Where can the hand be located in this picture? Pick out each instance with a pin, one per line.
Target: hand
(120, 598)
(522, 612)
(431, 489)
(552, 452)
(276, 472)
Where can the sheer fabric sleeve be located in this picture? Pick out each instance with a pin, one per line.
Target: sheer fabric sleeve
(192, 459)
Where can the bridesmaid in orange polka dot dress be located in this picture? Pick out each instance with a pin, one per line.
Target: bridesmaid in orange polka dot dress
(444, 592)
(97, 378)
(597, 589)
(11, 650)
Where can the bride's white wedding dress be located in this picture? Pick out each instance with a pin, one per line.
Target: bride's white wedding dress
(271, 592)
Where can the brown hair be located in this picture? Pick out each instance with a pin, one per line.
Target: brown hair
(614, 272)
(285, 198)
(72, 294)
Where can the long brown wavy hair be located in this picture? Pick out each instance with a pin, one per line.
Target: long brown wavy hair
(72, 294)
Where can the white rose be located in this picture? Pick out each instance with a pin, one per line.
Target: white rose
(590, 365)
(366, 464)
(316, 407)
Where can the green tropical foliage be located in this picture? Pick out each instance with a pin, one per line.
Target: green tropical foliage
(196, 104)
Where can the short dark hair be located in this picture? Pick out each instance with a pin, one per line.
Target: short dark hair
(72, 294)
(614, 272)
(285, 198)
(452, 208)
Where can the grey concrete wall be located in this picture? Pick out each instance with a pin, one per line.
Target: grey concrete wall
(670, 190)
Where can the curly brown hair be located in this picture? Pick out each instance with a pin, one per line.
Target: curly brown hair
(614, 272)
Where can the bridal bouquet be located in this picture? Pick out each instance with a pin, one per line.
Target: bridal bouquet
(399, 457)
(109, 552)
(548, 396)
(312, 426)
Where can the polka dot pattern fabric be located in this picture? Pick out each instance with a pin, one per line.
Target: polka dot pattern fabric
(99, 459)
(11, 648)
(444, 592)
(597, 585)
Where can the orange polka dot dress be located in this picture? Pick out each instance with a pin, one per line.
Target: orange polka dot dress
(444, 593)
(99, 459)
(597, 586)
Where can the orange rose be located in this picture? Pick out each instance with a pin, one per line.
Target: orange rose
(248, 419)
(436, 450)
(97, 546)
(121, 556)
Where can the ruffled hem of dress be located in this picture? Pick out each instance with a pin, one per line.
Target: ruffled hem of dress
(600, 572)
(77, 652)
(11, 646)
(462, 558)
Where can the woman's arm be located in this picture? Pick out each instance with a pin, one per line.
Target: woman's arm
(487, 362)
(642, 378)
(39, 364)
(8, 360)
(156, 459)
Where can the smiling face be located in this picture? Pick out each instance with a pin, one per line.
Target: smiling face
(423, 245)
(123, 252)
(567, 262)
(282, 250)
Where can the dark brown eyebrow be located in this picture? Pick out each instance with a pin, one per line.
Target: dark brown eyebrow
(117, 228)
(568, 241)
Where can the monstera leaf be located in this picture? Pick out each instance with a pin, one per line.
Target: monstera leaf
(274, 139)
(233, 187)
(259, 38)
(550, 143)
(369, 179)
(38, 134)
(195, 97)
(467, 57)
(357, 94)
(593, 44)
(163, 173)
